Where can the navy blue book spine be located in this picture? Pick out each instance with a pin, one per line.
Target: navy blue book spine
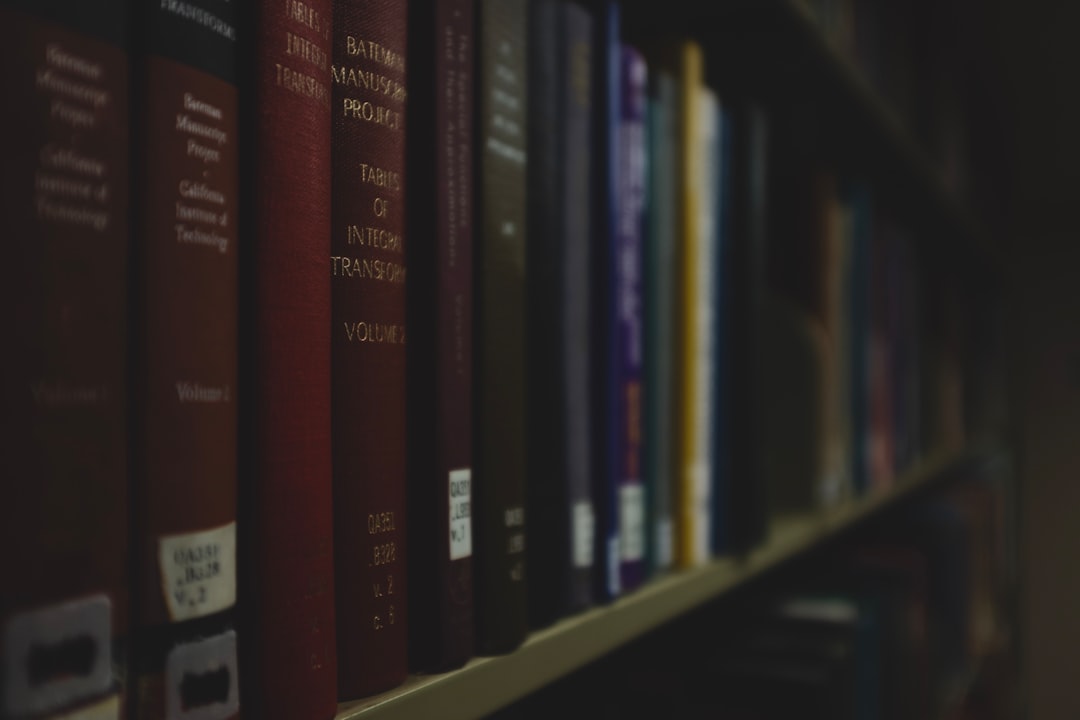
(723, 378)
(606, 90)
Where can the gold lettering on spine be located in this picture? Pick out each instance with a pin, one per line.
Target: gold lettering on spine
(383, 552)
(72, 189)
(311, 82)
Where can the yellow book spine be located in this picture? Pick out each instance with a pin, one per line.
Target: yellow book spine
(691, 82)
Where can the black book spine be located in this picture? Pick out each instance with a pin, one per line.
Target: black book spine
(499, 323)
(747, 490)
(547, 489)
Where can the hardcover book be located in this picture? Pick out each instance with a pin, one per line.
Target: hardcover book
(291, 648)
(439, 225)
(368, 342)
(185, 421)
(747, 526)
(499, 325)
(63, 375)
(606, 89)
(723, 341)
(627, 297)
(861, 230)
(691, 461)
(560, 547)
(659, 290)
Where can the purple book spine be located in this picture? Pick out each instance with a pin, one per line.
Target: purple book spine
(630, 200)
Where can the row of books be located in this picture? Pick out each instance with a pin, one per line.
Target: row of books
(907, 617)
(233, 481)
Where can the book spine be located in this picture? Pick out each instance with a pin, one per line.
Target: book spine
(185, 439)
(63, 388)
(607, 86)
(723, 378)
(499, 312)
(548, 552)
(702, 467)
(439, 225)
(292, 641)
(628, 313)
(881, 435)
(659, 319)
(748, 520)
(862, 220)
(368, 336)
(686, 471)
(577, 172)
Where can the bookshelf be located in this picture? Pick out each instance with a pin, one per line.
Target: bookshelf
(777, 48)
(774, 51)
(486, 684)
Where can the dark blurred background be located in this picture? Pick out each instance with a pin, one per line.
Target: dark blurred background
(1037, 63)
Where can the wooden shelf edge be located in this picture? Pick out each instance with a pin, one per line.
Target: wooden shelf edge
(486, 684)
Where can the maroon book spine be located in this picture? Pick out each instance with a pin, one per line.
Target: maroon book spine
(293, 635)
(185, 413)
(440, 152)
(63, 305)
(367, 267)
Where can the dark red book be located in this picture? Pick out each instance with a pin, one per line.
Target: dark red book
(185, 336)
(63, 388)
(439, 252)
(291, 644)
(367, 266)
(499, 315)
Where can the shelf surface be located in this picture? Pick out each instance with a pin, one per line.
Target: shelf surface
(486, 684)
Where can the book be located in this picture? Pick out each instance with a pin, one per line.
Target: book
(184, 440)
(606, 104)
(903, 282)
(701, 465)
(659, 292)
(793, 655)
(290, 648)
(499, 411)
(63, 377)
(368, 343)
(861, 228)
(723, 379)
(881, 340)
(693, 469)
(631, 161)
(439, 224)
(558, 486)
(750, 156)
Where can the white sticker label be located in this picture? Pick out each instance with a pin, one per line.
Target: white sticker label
(665, 542)
(614, 576)
(632, 522)
(107, 709)
(201, 680)
(198, 572)
(702, 513)
(460, 513)
(584, 525)
(58, 655)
